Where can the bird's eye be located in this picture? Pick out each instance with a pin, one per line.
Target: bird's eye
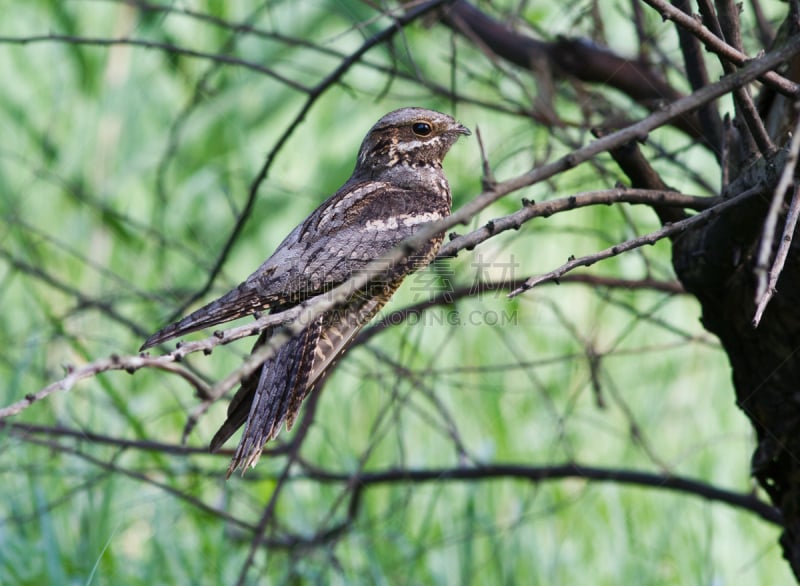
(421, 128)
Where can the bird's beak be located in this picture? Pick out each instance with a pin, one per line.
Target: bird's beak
(461, 129)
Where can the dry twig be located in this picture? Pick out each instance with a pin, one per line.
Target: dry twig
(638, 242)
(766, 281)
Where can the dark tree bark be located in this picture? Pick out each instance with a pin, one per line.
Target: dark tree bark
(717, 264)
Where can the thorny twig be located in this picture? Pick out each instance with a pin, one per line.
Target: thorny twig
(638, 242)
(765, 282)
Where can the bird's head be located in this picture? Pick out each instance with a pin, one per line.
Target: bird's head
(413, 138)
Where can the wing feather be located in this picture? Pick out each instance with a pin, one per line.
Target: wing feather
(344, 235)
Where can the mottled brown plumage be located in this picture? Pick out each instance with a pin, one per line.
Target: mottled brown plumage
(397, 186)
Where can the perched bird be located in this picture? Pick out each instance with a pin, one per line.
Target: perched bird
(397, 186)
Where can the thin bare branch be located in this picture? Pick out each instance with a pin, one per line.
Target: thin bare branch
(765, 284)
(165, 362)
(766, 34)
(697, 74)
(633, 243)
(448, 297)
(730, 23)
(745, 108)
(716, 45)
(545, 209)
(780, 257)
(145, 44)
(487, 180)
(568, 470)
(144, 479)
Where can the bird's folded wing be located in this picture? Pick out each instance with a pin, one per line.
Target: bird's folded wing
(329, 247)
(240, 302)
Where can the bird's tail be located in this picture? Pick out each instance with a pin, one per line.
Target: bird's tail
(272, 396)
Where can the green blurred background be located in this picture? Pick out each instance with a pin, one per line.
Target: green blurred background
(123, 170)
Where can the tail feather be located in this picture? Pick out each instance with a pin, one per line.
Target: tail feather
(239, 407)
(281, 379)
(272, 396)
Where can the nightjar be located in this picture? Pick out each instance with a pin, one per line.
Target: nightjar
(397, 186)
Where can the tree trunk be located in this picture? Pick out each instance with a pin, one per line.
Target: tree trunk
(716, 263)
